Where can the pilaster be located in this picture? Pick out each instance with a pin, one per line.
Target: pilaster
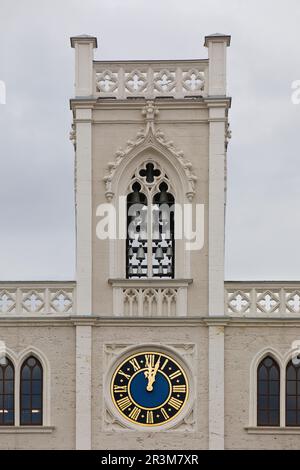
(83, 387)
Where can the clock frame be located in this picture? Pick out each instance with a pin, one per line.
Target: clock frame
(149, 388)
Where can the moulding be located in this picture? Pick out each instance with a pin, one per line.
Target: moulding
(149, 136)
(184, 353)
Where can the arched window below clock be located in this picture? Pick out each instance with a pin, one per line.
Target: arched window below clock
(268, 392)
(293, 394)
(31, 392)
(7, 390)
(150, 244)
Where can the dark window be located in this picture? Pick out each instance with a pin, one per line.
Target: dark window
(163, 244)
(268, 393)
(137, 236)
(150, 241)
(7, 391)
(292, 405)
(31, 398)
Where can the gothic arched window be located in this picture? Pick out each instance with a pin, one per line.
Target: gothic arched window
(7, 391)
(268, 393)
(150, 244)
(292, 399)
(31, 392)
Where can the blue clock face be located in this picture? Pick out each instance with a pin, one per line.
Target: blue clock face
(149, 388)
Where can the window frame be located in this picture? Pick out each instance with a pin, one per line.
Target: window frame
(296, 395)
(41, 394)
(149, 190)
(13, 394)
(282, 361)
(268, 410)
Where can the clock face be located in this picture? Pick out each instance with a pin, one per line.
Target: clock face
(149, 388)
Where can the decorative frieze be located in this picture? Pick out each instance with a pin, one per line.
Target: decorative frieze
(150, 135)
(144, 298)
(36, 298)
(262, 299)
(178, 79)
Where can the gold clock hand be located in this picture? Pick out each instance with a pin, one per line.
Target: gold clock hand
(150, 374)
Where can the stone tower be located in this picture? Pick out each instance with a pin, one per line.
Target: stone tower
(137, 127)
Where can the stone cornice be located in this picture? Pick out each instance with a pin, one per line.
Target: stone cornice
(272, 430)
(217, 101)
(26, 429)
(149, 282)
(97, 320)
(43, 283)
(152, 62)
(137, 103)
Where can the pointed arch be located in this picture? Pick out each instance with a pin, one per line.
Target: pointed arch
(9, 353)
(253, 382)
(152, 140)
(32, 351)
(149, 152)
(179, 187)
(31, 392)
(151, 146)
(7, 391)
(268, 392)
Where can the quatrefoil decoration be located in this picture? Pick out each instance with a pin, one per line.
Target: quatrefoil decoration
(107, 81)
(136, 81)
(164, 81)
(33, 301)
(193, 80)
(149, 173)
(7, 302)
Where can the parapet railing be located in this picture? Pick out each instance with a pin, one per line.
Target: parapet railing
(262, 299)
(47, 297)
(124, 79)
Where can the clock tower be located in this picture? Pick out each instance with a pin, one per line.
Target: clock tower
(150, 142)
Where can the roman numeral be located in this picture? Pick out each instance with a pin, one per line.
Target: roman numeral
(164, 364)
(134, 414)
(175, 403)
(179, 388)
(149, 418)
(135, 364)
(175, 374)
(164, 413)
(120, 388)
(124, 403)
(123, 373)
(150, 360)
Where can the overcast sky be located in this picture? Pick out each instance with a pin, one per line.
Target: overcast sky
(37, 65)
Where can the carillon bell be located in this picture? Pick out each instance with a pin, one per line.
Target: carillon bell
(130, 252)
(139, 270)
(169, 269)
(135, 198)
(169, 252)
(163, 197)
(160, 270)
(130, 271)
(159, 255)
(140, 253)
